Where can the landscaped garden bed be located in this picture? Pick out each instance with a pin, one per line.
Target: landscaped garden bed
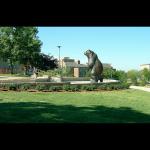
(60, 87)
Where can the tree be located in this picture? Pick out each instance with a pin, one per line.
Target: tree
(7, 46)
(133, 75)
(108, 73)
(67, 72)
(120, 75)
(144, 76)
(45, 62)
(19, 44)
(145, 73)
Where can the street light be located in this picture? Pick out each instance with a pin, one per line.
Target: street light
(59, 54)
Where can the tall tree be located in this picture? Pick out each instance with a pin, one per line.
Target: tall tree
(145, 74)
(133, 75)
(7, 45)
(19, 44)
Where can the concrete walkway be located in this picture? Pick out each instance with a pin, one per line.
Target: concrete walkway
(88, 82)
(12, 78)
(140, 88)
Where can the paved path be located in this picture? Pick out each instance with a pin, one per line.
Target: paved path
(88, 82)
(140, 88)
(12, 78)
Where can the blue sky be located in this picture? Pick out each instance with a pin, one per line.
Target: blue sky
(124, 47)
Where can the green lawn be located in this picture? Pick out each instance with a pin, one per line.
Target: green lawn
(126, 106)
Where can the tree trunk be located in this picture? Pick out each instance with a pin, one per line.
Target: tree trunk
(25, 70)
(11, 68)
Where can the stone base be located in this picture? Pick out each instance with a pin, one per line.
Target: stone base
(92, 81)
(34, 76)
(56, 79)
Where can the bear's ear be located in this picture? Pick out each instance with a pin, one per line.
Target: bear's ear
(91, 52)
(88, 51)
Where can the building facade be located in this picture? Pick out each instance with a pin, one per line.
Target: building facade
(5, 68)
(143, 66)
(78, 70)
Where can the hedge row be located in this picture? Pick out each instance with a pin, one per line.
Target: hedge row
(48, 87)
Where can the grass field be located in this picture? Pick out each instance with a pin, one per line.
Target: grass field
(124, 106)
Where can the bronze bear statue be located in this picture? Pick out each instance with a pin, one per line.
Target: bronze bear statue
(95, 65)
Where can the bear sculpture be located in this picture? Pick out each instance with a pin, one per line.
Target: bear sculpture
(95, 65)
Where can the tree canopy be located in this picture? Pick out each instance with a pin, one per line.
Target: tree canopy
(22, 45)
(45, 62)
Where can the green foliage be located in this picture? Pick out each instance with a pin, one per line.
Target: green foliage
(120, 75)
(143, 82)
(88, 87)
(144, 75)
(55, 88)
(74, 88)
(66, 87)
(19, 44)
(108, 73)
(113, 86)
(49, 87)
(67, 72)
(11, 86)
(45, 62)
(84, 87)
(41, 87)
(133, 76)
(25, 86)
(50, 73)
(88, 73)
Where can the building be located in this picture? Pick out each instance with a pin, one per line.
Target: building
(5, 68)
(106, 65)
(78, 69)
(143, 66)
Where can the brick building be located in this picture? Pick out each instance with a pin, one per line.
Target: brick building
(78, 70)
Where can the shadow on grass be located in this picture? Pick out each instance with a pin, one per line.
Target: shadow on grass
(38, 112)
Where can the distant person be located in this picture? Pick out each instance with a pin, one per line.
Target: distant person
(35, 72)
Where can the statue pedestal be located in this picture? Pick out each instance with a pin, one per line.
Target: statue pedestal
(34, 76)
(92, 81)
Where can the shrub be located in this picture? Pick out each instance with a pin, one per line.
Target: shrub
(88, 87)
(113, 86)
(41, 87)
(55, 88)
(102, 87)
(126, 85)
(74, 88)
(133, 76)
(91, 87)
(66, 87)
(84, 87)
(13, 86)
(143, 82)
(25, 86)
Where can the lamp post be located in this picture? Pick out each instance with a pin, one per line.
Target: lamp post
(59, 62)
(59, 55)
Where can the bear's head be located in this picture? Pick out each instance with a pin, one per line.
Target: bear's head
(89, 53)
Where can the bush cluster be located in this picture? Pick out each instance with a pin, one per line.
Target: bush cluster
(73, 88)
